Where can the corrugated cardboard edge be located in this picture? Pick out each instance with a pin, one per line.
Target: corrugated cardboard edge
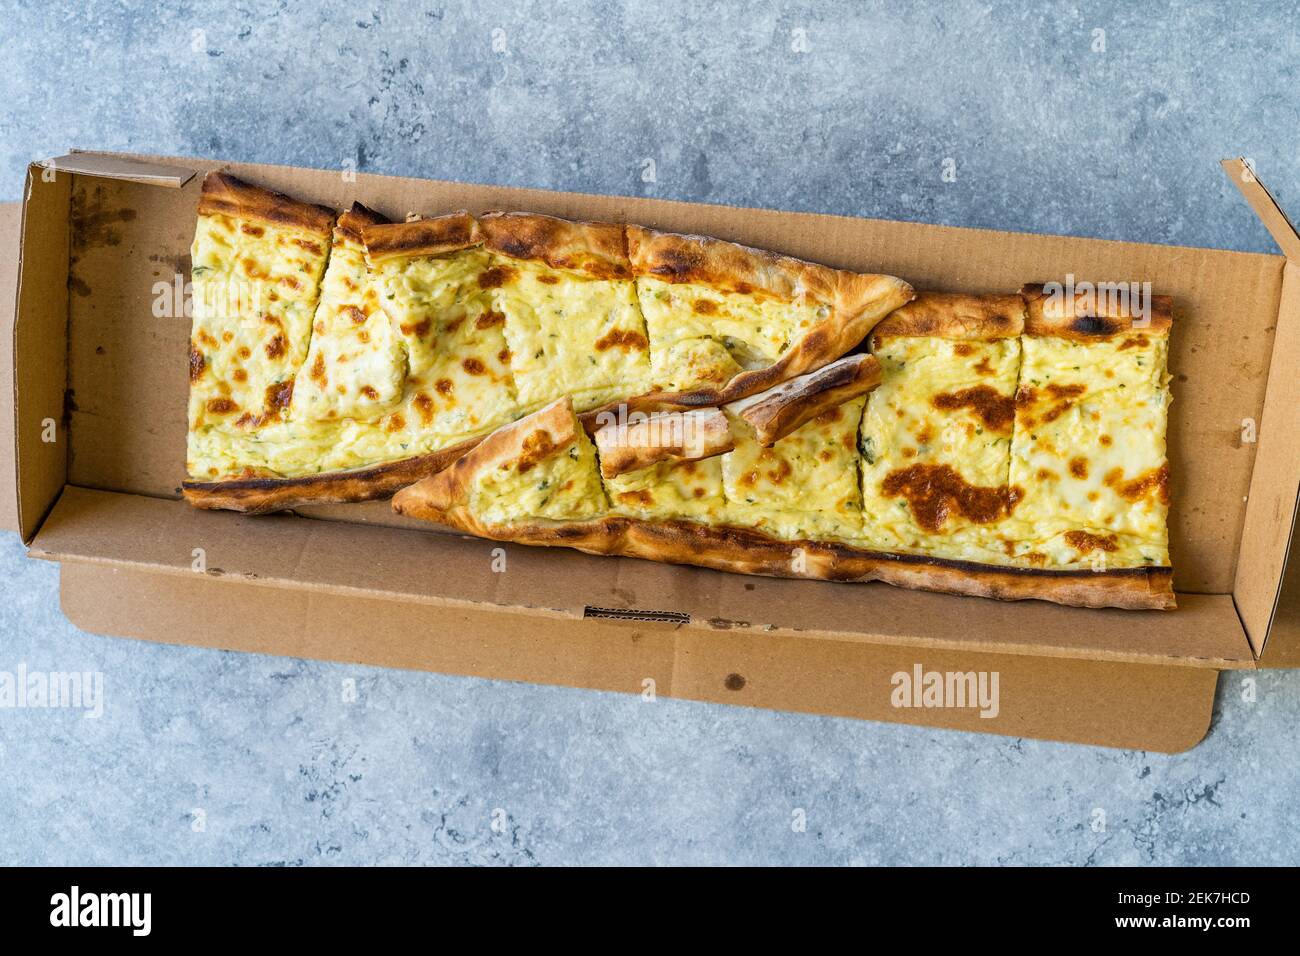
(110, 166)
(1268, 531)
(11, 214)
(40, 356)
(1267, 208)
(1148, 707)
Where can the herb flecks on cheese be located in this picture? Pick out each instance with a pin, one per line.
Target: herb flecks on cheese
(570, 333)
(805, 485)
(256, 282)
(704, 337)
(552, 475)
(1089, 452)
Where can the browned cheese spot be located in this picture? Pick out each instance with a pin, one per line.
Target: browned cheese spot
(1086, 543)
(936, 491)
(221, 406)
(1155, 481)
(535, 448)
(419, 330)
(496, 277)
(996, 410)
(424, 406)
(626, 339)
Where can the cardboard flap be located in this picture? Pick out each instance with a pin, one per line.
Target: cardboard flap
(1270, 213)
(10, 224)
(1138, 706)
(327, 557)
(116, 167)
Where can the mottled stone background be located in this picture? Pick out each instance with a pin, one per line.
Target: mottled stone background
(847, 108)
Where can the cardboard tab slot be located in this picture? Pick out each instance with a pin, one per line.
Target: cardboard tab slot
(632, 614)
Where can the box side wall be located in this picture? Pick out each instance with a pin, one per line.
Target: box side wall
(1149, 707)
(40, 359)
(1270, 515)
(128, 394)
(11, 217)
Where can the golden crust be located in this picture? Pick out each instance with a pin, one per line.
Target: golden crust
(265, 495)
(438, 236)
(352, 222)
(730, 267)
(744, 551)
(663, 436)
(777, 412)
(226, 195)
(592, 248)
(955, 316)
(1090, 315)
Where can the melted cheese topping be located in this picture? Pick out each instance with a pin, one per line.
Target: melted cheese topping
(1089, 453)
(1032, 452)
(684, 489)
(548, 481)
(570, 334)
(700, 336)
(255, 289)
(805, 486)
(356, 365)
(936, 446)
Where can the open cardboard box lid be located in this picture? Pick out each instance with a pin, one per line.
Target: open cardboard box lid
(103, 500)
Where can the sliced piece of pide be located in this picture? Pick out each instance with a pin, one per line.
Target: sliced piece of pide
(726, 321)
(258, 257)
(535, 471)
(794, 471)
(688, 489)
(435, 279)
(1088, 458)
(936, 435)
(803, 486)
(356, 363)
(568, 308)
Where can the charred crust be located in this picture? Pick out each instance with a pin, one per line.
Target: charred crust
(352, 222)
(438, 236)
(596, 249)
(227, 195)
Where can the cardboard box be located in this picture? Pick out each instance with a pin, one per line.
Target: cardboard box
(99, 388)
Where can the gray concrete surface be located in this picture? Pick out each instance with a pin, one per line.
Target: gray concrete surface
(845, 108)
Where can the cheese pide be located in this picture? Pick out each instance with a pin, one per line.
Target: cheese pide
(342, 359)
(1005, 446)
